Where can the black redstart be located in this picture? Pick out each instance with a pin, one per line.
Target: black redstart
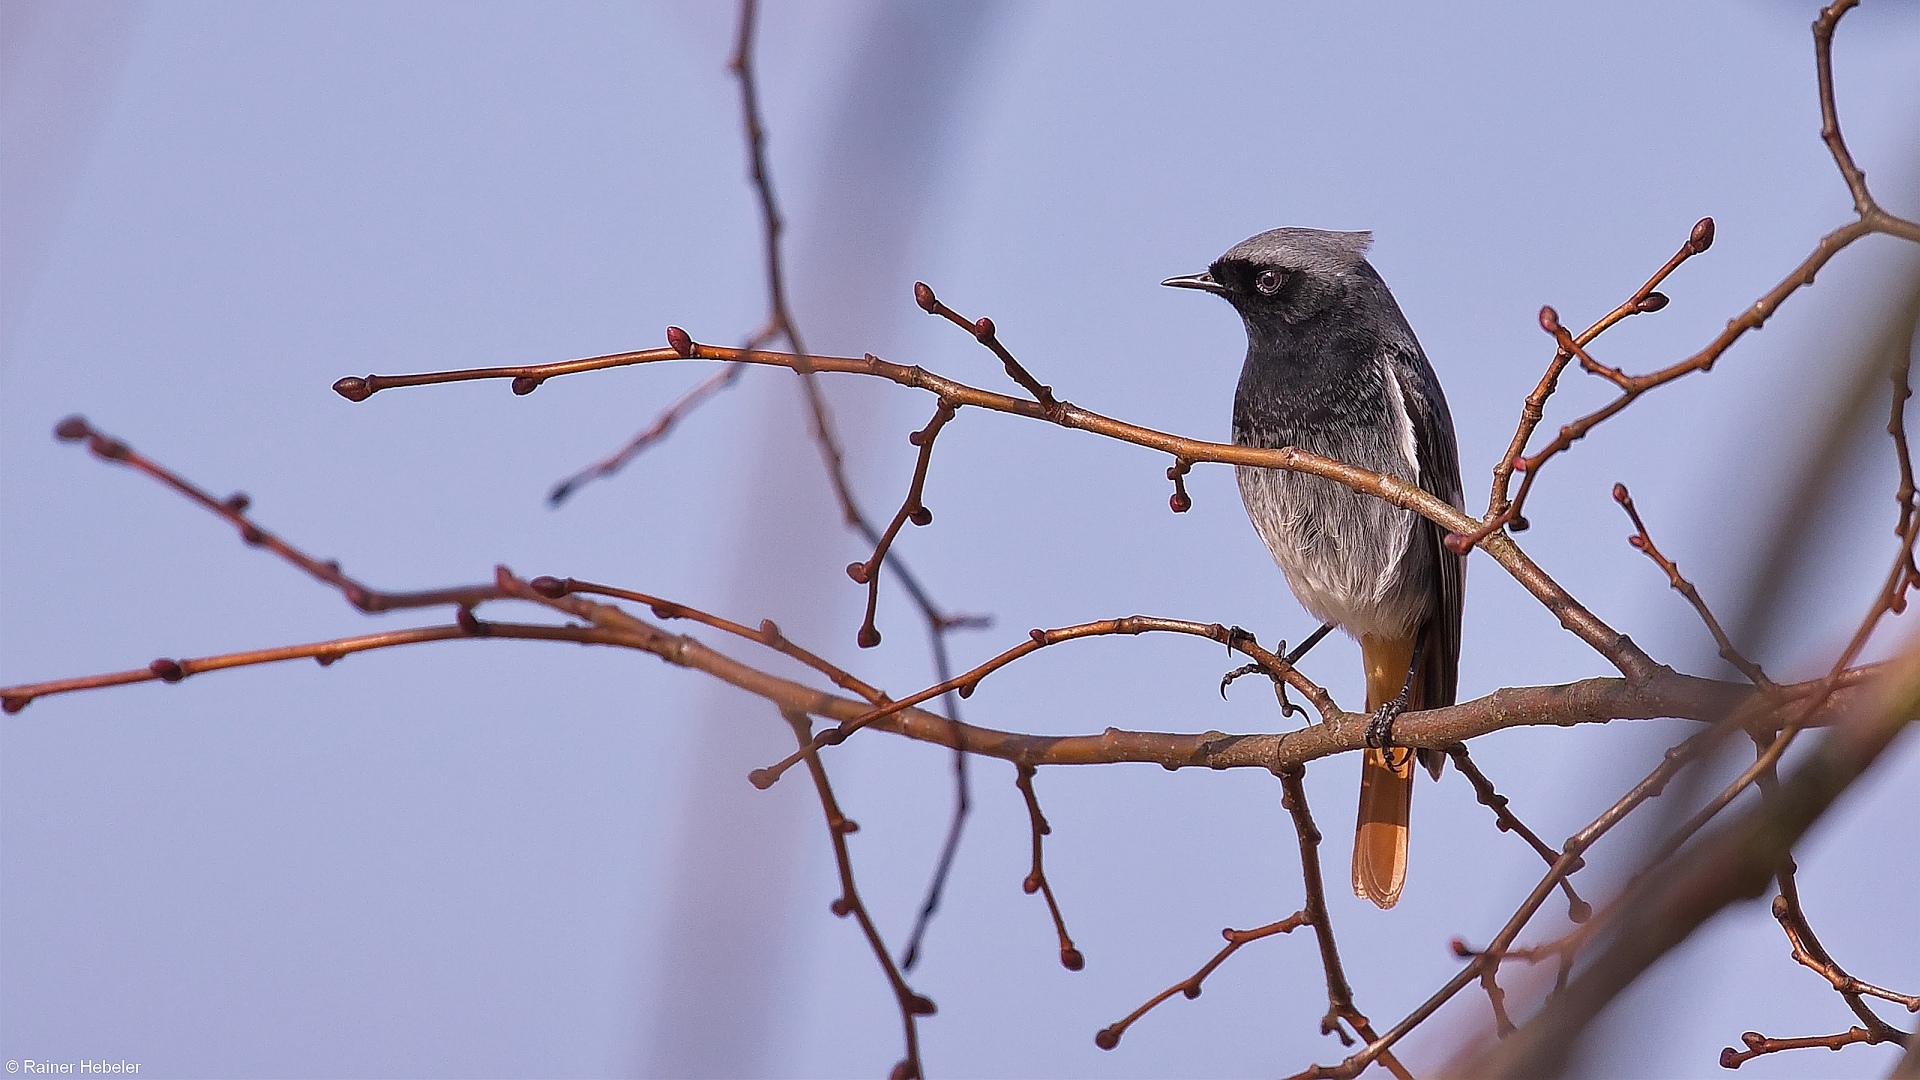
(1333, 368)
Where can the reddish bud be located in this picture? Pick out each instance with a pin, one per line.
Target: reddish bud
(111, 449)
(1519, 524)
(1549, 319)
(769, 631)
(1620, 494)
(326, 659)
(966, 691)
(916, 437)
(983, 328)
(923, 295)
(238, 503)
(1106, 1038)
(848, 826)
(525, 384)
(1653, 301)
(1071, 959)
(902, 1070)
(762, 778)
(833, 736)
(868, 637)
(1702, 237)
(1461, 949)
(921, 516)
(11, 705)
(921, 1005)
(168, 670)
(548, 586)
(470, 623)
(1031, 885)
(1179, 502)
(858, 572)
(252, 535)
(1038, 635)
(680, 341)
(1456, 543)
(1192, 991)
(840, 907)
(353, 388)
(72, 429)
(1639, 542)
(1579, 911)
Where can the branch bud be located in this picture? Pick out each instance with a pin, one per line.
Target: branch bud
(1702, 237)
(525, 384)
(680, 341)
(168, 670)
(1653, 301)
(923, 295)
(353, 388)
(72, 429)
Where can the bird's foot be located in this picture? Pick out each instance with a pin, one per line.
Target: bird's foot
(1380, 727)
(1287, 707)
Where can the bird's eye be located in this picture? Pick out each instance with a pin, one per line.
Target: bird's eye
(1269, 282)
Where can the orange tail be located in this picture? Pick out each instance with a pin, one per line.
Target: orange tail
(1386, 793)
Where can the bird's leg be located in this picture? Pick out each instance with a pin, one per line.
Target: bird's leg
(1312, 640)
(1380, 727)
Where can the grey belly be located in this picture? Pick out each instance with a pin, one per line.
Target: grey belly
(1349, 558)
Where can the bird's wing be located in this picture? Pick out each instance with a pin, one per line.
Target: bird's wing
(1438, 459)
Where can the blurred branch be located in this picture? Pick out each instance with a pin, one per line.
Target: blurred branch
(1732, 864)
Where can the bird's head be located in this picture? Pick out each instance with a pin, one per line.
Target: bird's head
(1286, 275)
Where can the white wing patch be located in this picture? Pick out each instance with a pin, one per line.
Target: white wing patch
(1402, 420)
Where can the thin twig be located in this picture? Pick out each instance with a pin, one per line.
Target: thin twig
(1642, 542)
(964, 684)
(1036, 879)
(233, 510)
(1758, 1044)
(983, 331)
(839, 826)
(657, 431)
(911, 509)
(1109, 1037)
(1505, 820)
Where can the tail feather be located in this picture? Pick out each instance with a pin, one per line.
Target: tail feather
(1380, 838)
(1386, 792)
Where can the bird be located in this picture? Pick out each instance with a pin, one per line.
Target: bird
(1333, 368)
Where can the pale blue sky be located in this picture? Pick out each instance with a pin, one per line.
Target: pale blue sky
(485, 859)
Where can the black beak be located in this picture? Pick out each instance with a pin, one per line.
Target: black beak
(1202, 280)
